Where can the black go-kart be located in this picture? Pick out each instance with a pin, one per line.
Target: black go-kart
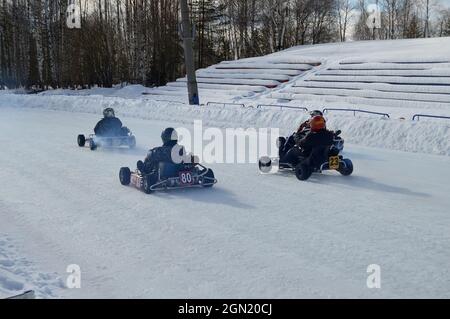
(169, 176)
(321, 159)
(127, 139)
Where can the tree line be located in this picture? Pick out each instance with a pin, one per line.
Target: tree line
(138, 41)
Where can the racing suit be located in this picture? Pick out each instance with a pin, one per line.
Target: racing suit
(160, 154)
(304, 147)
(110, 127)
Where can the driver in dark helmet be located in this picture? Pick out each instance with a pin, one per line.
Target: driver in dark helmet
(110, 125)
(170, 152)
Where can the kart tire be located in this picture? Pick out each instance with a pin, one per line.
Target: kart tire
(265, 164)
(92, 145)
(303, 172)
(125, 176)
(81, 140)
(132, 142)
(209, 175)
(149, 181)
(346, 170)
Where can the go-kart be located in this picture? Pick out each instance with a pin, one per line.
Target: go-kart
(321, 159)
(168, 176)
(126, 139)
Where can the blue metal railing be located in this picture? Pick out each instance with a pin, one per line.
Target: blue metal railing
(169, 101)
(283, 107)
(225, 104)
(418, 116)
(384, 115)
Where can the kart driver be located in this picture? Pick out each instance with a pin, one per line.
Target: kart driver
(302, 131)
(164, 153)
(318, 136)
(110, 125)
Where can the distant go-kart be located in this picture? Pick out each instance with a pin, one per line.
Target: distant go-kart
(321, 159)
(93, 141)
(169, 176)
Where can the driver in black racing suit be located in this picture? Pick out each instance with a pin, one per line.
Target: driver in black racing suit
(110, 125)
(319, 136)
(170, 152)
(304, 128)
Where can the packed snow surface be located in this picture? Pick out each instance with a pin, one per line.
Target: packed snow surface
(252, 236)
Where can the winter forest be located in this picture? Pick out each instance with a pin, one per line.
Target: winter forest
(138, 41)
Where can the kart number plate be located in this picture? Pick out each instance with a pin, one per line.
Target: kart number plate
(186, 178)
(334, 162)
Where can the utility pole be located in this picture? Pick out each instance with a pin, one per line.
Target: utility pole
(188, 39)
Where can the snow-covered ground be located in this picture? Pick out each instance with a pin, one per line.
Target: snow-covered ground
(252, 236)
(18, 274)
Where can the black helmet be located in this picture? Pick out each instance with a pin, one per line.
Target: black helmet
(316, 113)
(108, 112)
(168, 135)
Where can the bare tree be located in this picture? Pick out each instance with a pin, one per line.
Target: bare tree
(344, 12)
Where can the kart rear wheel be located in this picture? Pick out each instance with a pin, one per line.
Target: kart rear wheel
(81, 140)
(347, 169)
(148, 182)
(92, 145)
(209, 179)
(132, 142)
(303, 172)
(125, 176)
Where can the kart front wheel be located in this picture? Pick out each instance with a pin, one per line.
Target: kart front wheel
(208, 179)
(125, 176)
(148, 182)
(81, 140)
(303, 172)
(92, 145)
(347, 169)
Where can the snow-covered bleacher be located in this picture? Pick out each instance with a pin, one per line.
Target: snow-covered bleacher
(417, 83)
(242, 78)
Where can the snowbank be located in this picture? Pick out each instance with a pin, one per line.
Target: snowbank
(129, 91)
(422, 137)
(18, 275)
